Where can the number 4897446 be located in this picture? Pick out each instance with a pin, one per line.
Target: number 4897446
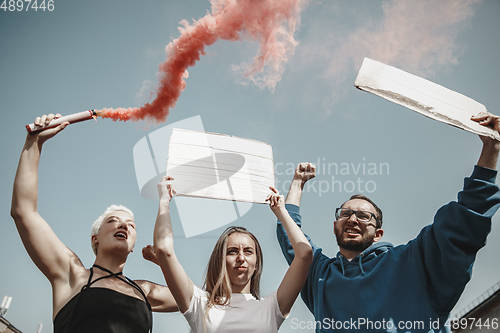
(27, 5)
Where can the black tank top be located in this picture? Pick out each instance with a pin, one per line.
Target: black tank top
(105, 310)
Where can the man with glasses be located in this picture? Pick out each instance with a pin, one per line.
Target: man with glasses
(373, 286)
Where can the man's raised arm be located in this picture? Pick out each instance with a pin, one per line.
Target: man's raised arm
(303, 173)
(489, 154)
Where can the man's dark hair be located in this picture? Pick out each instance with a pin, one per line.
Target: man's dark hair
(378, 210)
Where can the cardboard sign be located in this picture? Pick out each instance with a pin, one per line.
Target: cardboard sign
(422, 96)
(217, 166)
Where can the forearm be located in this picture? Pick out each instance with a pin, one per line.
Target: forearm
(295, 193)
(480, 193)
(163, 233)
(489, 154)
(296, 275)
(179, 283)
(48, 253)
(25, 189)
(299, 242)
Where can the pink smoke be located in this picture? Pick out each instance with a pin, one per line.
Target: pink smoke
(271, 23)
(421, 37)
(417, 36)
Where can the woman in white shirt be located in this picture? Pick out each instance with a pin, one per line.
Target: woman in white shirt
(230, 301)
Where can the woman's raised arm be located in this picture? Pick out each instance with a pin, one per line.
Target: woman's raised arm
(177, 280)
(296, 275)
(49, 254)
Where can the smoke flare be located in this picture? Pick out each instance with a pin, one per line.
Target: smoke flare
(270, 22)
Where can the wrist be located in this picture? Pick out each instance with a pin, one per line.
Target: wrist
(279, 212)
(33, 142)
(491, 145)
(489, 154)
(165, 201)
(297, 184)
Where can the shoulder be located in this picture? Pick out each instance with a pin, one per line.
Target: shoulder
(148, 286)
(64, 290)
(270, 305)
(197, 306)
(271, 297)
(198, 301)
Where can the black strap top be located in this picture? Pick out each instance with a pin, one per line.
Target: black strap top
(105, 310)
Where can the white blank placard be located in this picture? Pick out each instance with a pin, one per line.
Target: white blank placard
(218, 166)
(422, 96)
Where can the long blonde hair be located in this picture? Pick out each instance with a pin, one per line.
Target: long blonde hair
(217, 282)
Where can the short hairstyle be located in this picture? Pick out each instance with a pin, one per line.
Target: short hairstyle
(378, 210)
(100, 220)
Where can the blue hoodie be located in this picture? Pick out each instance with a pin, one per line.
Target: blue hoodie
(407, 288)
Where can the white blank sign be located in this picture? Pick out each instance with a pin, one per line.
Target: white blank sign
(422, 96)
(217, 166)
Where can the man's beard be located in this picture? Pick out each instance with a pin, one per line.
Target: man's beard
(355, 245)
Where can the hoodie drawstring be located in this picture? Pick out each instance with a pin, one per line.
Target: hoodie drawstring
(360, 265)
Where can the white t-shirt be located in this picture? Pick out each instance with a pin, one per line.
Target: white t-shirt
(243, 314)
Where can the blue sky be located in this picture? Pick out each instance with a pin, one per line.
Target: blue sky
(96, 54)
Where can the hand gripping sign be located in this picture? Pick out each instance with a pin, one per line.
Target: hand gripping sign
(422, 96)
(217, 166)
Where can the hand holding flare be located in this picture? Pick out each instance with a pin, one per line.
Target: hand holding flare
(58, 120)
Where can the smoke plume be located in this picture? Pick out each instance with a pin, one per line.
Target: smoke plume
(271, 23)
(421, 37)
(417, 36)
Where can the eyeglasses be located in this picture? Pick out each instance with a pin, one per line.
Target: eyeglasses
(361, 215)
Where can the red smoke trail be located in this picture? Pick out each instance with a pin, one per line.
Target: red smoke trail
(260, 20)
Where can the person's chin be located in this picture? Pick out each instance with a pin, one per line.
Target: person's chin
(353, 243)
